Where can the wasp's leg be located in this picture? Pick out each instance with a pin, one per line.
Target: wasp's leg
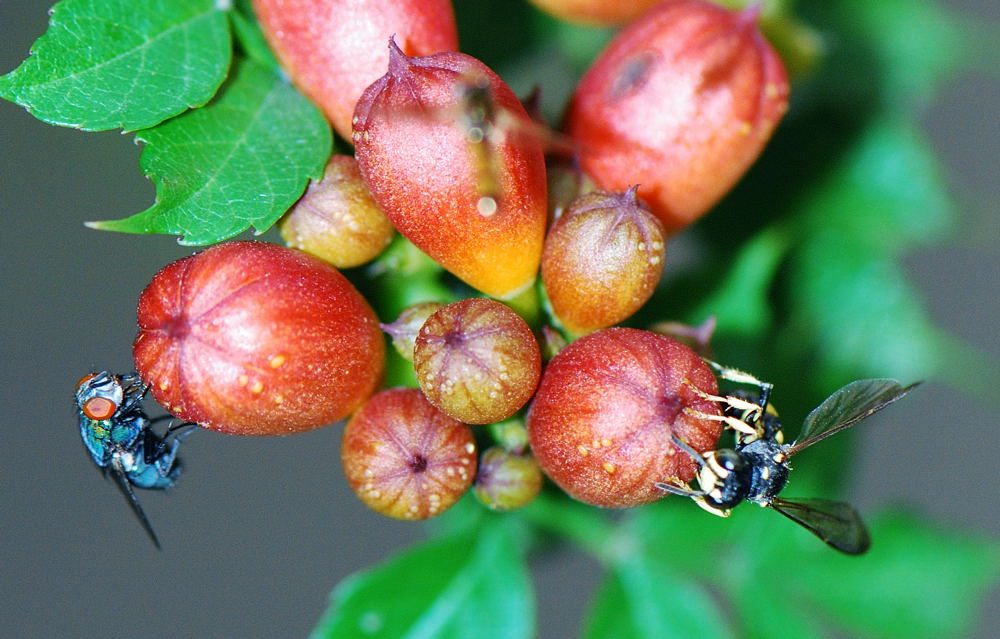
(735, 375)
(750, 412)
(698, 496)
(734, 423)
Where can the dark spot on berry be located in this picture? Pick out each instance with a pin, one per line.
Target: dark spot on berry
(418, 463)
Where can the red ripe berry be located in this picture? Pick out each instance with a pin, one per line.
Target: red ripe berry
(477, 360)
(601, 422)
(607, 247)
(596, 12)
(406, 459)
(333, 49)
(251, 338)
(681, 102)
(452, 158)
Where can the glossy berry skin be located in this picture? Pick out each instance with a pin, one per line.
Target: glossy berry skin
(333, 49)
(681, 102)
(606, 246)
(251, 338)
(601, 422)
(431, 174)
(406, 459)
(595, 12)
(336, 219)
(477, 360)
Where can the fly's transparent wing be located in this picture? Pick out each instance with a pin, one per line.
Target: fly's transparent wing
(836, 523)
(126, 487)
(846, 407)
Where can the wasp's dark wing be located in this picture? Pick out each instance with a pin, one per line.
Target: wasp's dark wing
(836, 523)
(126, 487)
(846, 407)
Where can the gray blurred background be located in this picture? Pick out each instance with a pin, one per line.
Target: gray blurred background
(259, 530)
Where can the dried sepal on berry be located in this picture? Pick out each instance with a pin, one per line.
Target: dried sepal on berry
(406, 327)
(477, 360)
(406, 459)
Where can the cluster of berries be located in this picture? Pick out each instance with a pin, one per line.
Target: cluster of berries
(254, 338)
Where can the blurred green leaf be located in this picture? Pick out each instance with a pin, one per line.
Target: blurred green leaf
(886, 192)
(129, 64)
(741, 302)
(916, 44)
(916, 581)
(456, 587)
(642, 598)
(240, 161)
(848, 294)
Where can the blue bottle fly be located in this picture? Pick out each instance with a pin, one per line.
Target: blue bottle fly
(120, 439)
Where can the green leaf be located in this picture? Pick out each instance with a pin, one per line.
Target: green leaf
(240, 161)
(889, 181)
(458, 587)
(129, 64)
(915, 582)
(848, 293)
(864, 313)
(642, 598)
(916, 46)
(741, 303)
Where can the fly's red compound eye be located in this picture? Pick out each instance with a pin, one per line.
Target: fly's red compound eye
(85, 379)
(99, 408)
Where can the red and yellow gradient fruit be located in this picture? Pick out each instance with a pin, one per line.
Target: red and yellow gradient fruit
(601, 423)
(595, 12)
(681, 102)
(337, 219)
(251, 338)
(333, 49)
(406, 459)
(477, 360)
(602, 260)
(470, 192)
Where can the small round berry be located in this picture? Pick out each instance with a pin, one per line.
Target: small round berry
(337, 220)
(404, 330)
(506, 481)
(606, 246)
(602, 421)
(250, 338)
(406, 459)
(477, 360)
